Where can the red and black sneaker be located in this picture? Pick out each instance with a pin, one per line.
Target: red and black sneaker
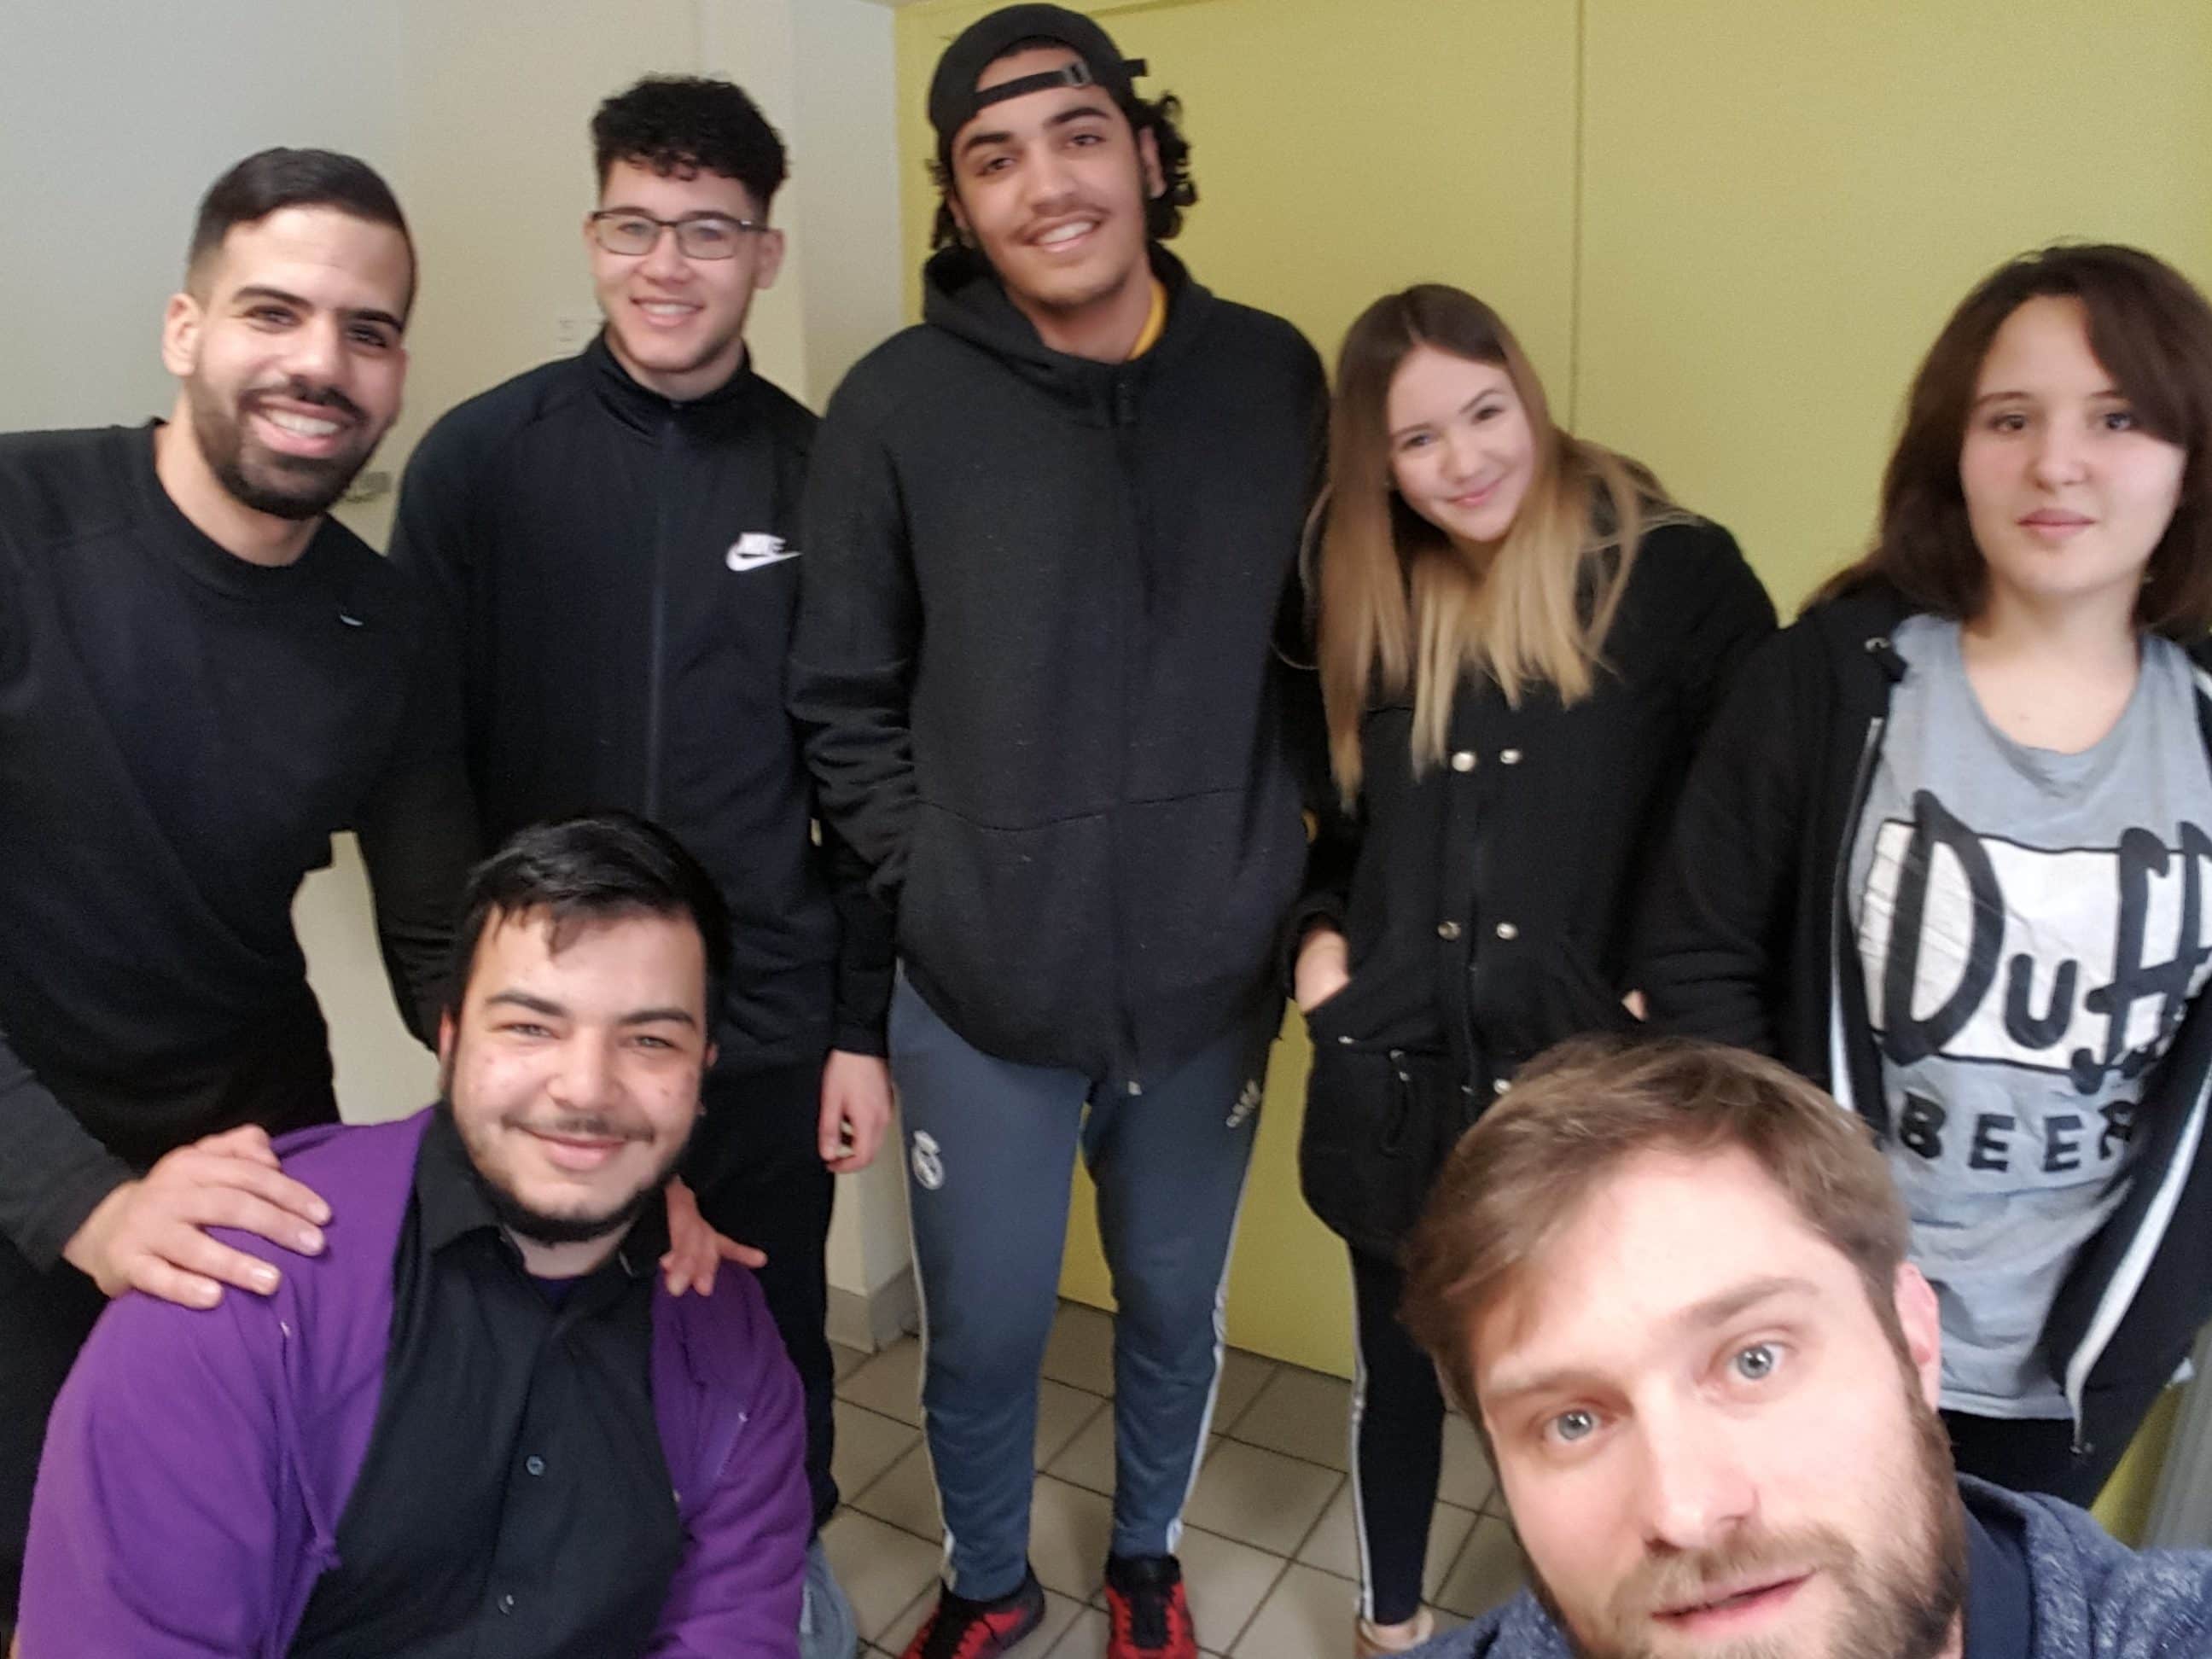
(962, 1629)
(1150, 1613)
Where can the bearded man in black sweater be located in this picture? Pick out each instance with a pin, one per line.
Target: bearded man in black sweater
(203, 678)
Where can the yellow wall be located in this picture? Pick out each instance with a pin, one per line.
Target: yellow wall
(1725, 229)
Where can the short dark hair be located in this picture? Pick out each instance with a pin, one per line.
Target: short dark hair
(597, 867)
(1586, 1108)
(272, 180)
(2152, 331)
(1161, 116)
(684, 124)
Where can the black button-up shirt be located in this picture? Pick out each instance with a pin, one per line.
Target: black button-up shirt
(514, 1499)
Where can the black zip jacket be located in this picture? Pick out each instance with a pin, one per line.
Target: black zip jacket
(623, 573)
(1035, 661)
(181, 733)
(1749, 940)
(1488, 905)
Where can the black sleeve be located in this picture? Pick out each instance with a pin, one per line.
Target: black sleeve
(54, 1173)
(418, 838)
(852, 657)
(433, 530)
(1717, 927)
(1334, 831)
(866, 951)
(1734, 617)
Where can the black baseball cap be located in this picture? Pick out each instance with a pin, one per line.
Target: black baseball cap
(953, 100)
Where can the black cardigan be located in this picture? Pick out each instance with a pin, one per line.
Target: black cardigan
(1488, 902)
(1746, 935)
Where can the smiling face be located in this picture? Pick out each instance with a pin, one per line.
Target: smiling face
(1708, 1439)
(1462, 450)
(676, 323)
(573, 1067)
(1051, 187)
(288, 342)
(2066, 496)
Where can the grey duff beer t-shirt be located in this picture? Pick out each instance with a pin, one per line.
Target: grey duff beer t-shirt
(2020, 916)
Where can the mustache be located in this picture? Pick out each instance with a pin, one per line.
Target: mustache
(578, 1126)
(1064, 210)
(306, 392)
(1669, 1583)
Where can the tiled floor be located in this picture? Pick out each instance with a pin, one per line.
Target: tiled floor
(1267, 1548)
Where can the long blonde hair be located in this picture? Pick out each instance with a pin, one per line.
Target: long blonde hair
(1401, 604)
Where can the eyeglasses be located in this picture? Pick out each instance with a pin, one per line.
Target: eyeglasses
(709, 236)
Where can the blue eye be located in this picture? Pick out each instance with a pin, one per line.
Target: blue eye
(1574, 1425)
(1757, 1362)
(2120, 420)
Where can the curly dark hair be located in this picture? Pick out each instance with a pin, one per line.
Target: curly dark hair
(1161, 116)
(690, 124)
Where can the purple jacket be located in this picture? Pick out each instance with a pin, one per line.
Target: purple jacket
(197, 1463)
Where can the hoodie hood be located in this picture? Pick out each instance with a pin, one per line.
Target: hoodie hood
(961, 295)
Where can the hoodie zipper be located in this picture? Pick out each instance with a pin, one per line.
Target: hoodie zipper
(1841, 1080)
(2120, 1291)
(2127, 1279)
(657, 650)
(1139, 606)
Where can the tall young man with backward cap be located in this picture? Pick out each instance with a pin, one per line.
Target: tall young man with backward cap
(615, 537)
(1048, 531)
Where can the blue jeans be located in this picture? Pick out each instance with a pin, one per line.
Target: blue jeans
(990, 1150)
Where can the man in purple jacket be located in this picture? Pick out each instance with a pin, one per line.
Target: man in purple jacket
(478, 1422)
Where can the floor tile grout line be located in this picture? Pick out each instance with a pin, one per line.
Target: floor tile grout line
(1274, 1371)
(1307, 1536)
(1258, 1607)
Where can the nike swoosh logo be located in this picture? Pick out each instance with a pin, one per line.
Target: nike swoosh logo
(739, 560)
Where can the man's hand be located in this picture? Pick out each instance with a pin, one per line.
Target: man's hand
(149, 1234)
(856, 1108)
(696, 1250)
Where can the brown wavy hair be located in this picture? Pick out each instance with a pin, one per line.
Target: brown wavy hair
(2152, 331)
(1522, 1174)
(1400, 605)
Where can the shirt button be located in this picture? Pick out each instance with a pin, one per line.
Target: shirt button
(1136, 1088)
(1447, 930)
(1345, 1040)
(1507, 930)
(506, 1603)
(1463, 761)
(535, 1465)
(1498, 1085)
(1509, 757)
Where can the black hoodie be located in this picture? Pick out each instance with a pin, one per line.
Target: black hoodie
(1034, 655)
(1747, 940)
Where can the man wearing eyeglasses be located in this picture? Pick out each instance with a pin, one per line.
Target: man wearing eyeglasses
(615, 537)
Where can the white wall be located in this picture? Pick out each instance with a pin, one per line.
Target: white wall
(120, 113)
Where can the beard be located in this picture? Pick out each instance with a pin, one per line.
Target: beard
(539, 1226)
(1899, 1604)
(291, 487)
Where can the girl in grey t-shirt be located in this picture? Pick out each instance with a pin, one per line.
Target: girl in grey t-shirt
(1947, 849)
